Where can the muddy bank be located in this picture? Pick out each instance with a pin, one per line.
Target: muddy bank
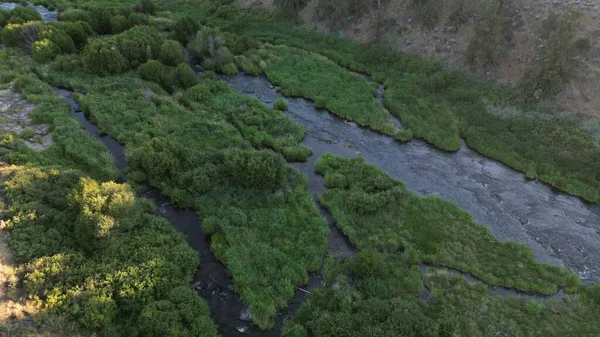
(559, 228)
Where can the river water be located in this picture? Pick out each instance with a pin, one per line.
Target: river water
(47, 15)
(561, 229)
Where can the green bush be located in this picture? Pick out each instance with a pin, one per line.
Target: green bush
(145, 6)
(101, 20)
(22, 14)
(102, 58)
(182, 313)
(185, 29)
(404, 135)
(208, 49)
(487, 45)
(45, 50)
(229, 69)
(11, 35)
(547, 77)
(60, 38)
(156, 72)
(3, 18)
(119, 23)
(280, 105)
(172, 53)
(184, 76)
(79, 31)
(138, 19)
(139, 44)
(74, 15)
(253, 169)
(66, 63)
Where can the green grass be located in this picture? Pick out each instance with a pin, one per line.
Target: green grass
(455, 307)
(301, 73)
(73, 147)
(360, 196)
(205, 148)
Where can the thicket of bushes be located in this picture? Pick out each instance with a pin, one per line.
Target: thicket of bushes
(170, 78)
(96, 254)
(209, 50)
(122, 52)
(263, 224)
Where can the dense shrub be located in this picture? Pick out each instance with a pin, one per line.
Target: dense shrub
(242, 44)
(546, 78)
(487, 44)
(428, 11)
(145, 6)
(11, 35)
(156, 72)
(139, 44)
(4, 16)
(119, 23)
(101, 20)
(138, 19)
(208, 49)
(45, 50)
(184, 77)
(22, 14)
(252, 169)
(66, 63)
(229, 69)
(336, 12)
(102, 58)
(172, 53)
(60, 38)
(182, 313)
(79, 31)
(74, 15)
(185, 29)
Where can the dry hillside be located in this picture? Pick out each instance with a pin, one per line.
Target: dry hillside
(446, 37)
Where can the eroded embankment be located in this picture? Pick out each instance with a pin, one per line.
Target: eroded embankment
(559, 228)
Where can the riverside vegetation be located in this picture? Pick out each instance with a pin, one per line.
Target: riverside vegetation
(94, 255)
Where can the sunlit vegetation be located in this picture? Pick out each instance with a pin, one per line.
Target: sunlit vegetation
(96, 253)
(361, 195)
(90, 251)
(72, 147)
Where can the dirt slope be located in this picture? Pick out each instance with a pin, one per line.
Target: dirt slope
(447, 43)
